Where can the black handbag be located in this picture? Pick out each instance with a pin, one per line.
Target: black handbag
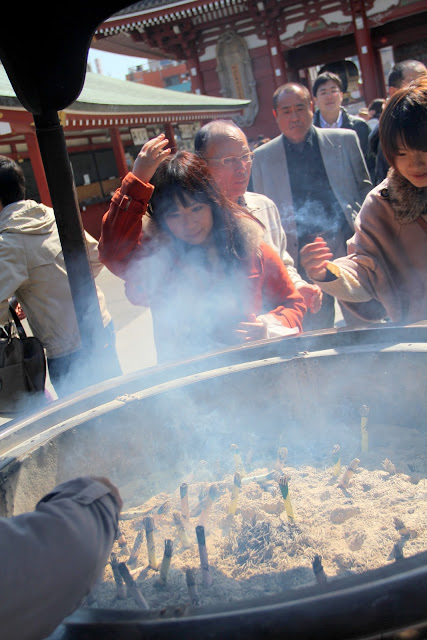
(22, 365)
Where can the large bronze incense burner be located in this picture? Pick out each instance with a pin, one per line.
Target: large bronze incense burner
(278, 441)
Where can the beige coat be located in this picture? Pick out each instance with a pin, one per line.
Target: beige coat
(387, 256)
(33, 268)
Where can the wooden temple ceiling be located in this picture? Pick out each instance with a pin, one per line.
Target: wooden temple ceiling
(159, 28)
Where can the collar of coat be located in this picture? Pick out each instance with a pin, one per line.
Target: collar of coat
(408, 202)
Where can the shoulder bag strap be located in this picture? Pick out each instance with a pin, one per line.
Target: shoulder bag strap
(18, 324)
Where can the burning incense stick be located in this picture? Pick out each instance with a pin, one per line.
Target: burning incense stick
(235, 490)
(120, 585)
(203, 553)
(318, 570)
(149, 530)
(364, 410)
(238, 464)
(284, 488)
(167, 556)
(261, 478)
(183, 490)
(191, 586)
(182, 532)
(336, 458)
(135, 549)
(121, 541)
(348, 473)
(132, 587)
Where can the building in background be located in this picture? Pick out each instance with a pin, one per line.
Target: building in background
(104, 130)
(247, 48)
(165, 74)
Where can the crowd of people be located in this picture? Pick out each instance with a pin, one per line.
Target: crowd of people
(226, 244)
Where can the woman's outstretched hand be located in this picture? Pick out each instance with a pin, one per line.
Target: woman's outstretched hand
(252, 330)
(314, 257)
(151, 155)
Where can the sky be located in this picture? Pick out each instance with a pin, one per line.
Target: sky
(113, 65)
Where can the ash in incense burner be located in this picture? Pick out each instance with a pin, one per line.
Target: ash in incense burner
(239, 536)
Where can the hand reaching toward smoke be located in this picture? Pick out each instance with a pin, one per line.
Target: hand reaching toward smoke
(252, 330)
(151, 155)
(312, 295)
(314, 257)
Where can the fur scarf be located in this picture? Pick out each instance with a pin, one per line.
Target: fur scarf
(408, 202)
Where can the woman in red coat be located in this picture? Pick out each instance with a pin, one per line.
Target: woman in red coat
(195, 258)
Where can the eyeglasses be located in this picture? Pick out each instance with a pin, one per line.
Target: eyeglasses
(233, 161)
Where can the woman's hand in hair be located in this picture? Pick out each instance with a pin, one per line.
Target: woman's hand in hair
(252, 330)
(151, 155)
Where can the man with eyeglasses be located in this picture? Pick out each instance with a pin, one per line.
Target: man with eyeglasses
(328, 96)
(225, 148)
(317, 178)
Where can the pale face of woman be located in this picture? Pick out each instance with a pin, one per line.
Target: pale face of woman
(191, 223)
(412, 165)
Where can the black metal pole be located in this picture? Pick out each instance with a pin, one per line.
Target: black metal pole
(63, 193)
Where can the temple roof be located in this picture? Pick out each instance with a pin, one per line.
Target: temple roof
(104, 94)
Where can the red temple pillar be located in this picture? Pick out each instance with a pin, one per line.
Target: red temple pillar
(38, 168)
(119, 152)
(277, 60)
(365, 50)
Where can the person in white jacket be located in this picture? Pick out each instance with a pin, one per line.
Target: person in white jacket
(33, 271)
(51, 558)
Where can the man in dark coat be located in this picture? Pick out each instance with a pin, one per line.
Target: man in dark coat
(328, 96)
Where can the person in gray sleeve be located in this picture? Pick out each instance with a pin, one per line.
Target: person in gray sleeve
(50, 558)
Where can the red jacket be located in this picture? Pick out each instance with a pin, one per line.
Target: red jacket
(194, 308)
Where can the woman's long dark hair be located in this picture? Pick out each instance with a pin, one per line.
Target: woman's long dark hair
(185, 175)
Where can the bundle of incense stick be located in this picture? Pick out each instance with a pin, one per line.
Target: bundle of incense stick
(364, 411)
(121, 541)
(191, 586)
(135, 549)
(132, 586)
(264, 477)
(167, 556)
(183, 490)
(336, 459)
(238, 463)
(235, 490)
(203, 554)
(348, 473)
(318, 570)
(120, 585)
(149, 531)
(182, 532)
(205, 501)
(284, 489)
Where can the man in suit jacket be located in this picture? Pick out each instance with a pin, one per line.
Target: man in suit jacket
(318, 179)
